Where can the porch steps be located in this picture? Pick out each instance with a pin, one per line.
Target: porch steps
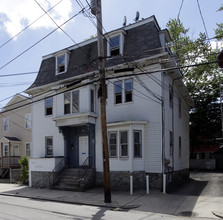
(69, 181)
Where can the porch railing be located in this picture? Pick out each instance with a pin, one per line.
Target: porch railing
(56, 172)
(84, 168)
(9, 161)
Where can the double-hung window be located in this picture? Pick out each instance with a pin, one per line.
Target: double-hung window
(118, 92)
(49, 146)
(6, 150)
(123, 88)
(123, 143)
(114, 45)
(49, 106)
(28, 120)
(112, 137)
(28, 149)
(71, 102)
(61, 63)
(62, 60)
(6, 124)
(137, 144)
(128, 90)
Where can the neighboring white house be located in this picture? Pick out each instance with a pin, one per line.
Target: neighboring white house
(15, 132)
(147, 110)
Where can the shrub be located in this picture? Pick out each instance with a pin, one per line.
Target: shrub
(24, 176)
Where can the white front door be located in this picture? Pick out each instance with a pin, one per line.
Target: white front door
(16, 150)
(83, 151)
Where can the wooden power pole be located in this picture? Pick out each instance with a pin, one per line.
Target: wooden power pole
(105, 156)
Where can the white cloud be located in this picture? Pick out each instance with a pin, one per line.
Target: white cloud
(15, 15)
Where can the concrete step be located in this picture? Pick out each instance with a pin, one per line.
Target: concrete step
(67, 188)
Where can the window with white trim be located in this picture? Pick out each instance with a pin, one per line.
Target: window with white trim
(118, 92)
(6, 124)
(112, 143)
(49, 146)
(137, 141)
(115, 44)
(6, 150)
(123, 95)
(71, 102)
(28, 120)
(128, 90)
(123, 143)
(62, 60)
(49, 106)
(28, 149)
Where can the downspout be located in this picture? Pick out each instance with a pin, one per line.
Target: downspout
(173, 117)
(163, 134)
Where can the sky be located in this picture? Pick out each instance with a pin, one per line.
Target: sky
(22, 47)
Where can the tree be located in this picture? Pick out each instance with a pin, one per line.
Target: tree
(201, 81)
(219, 29)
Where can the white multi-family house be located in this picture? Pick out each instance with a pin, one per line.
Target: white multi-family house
(15, 133)
(147, 112)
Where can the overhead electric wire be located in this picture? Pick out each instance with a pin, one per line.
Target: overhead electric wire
(56, 23)
(29, 25)
(178, 16)
(39, 41)
(202, 18)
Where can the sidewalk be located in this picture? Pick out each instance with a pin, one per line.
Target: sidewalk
(155, 202)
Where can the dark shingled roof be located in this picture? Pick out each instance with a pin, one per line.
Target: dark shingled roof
(140, 41)
(12, 138)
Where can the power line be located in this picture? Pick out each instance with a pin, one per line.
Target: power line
(56, 23)
(39, 41)
(202, 18)
(29, 25)
(178, 16)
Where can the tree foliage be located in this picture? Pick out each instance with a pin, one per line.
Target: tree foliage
(24, 176)
(219, 29)
(202, 82)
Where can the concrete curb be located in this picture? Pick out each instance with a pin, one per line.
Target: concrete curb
(111, 206)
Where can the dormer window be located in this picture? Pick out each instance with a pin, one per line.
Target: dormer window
(62, 60)
(115, 44)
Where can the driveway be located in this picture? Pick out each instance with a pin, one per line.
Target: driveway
(203, 194)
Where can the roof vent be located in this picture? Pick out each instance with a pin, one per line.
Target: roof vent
(137, 17)
(124, 21)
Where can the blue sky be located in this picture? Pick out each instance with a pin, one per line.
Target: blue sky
(15, 15)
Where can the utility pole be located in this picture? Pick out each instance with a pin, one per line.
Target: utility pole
(105, 156)
(220, 58)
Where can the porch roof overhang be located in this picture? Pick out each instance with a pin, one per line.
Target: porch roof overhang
(9, 139)
(126, 123)
(75, 119)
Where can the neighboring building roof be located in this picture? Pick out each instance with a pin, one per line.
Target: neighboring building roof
(15, 102)
(10, 139)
